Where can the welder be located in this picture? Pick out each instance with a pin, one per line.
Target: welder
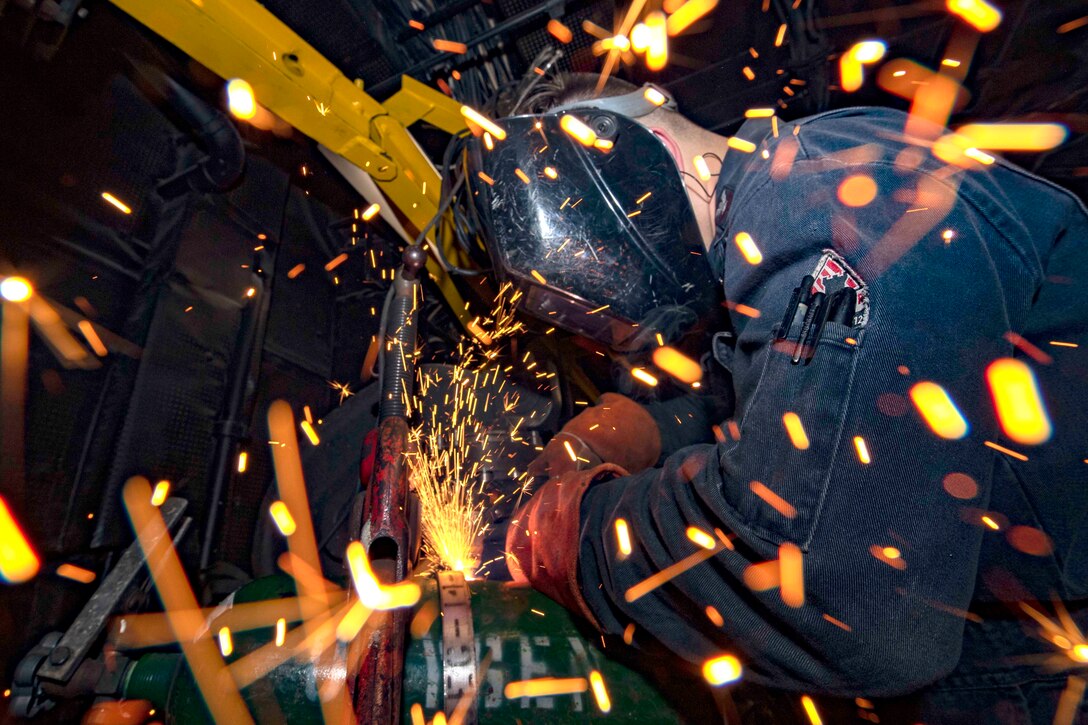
(865, 463)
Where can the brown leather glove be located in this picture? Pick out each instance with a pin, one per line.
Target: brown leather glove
(615, 430)
(543, 537)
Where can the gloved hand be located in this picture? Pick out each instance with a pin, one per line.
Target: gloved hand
(615, 430)
(543, 537)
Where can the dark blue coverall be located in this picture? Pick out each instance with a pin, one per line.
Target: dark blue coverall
(952, 260)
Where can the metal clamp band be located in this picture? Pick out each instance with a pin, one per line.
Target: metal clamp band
(458, 644)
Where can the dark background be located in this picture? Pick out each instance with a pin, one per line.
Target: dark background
(77, 120)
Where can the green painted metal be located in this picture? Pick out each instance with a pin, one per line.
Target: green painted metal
(527, 635)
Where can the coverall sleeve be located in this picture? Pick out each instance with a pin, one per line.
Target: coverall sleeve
(889, 557)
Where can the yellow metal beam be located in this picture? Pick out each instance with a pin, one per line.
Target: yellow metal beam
(241, 39)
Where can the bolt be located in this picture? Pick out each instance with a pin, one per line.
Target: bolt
(59, 655)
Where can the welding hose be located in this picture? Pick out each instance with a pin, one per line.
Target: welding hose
(399, 339)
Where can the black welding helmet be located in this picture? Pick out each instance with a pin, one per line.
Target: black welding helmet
(595, 229)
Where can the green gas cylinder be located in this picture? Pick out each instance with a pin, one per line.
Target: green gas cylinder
(517, 632)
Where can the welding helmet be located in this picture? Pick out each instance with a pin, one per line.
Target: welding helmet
(584, 210)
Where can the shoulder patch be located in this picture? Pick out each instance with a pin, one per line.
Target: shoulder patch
(833, 274)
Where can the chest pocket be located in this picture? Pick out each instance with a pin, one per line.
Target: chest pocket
(791, 433)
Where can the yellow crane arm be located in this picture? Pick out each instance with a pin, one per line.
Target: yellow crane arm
(241, 39)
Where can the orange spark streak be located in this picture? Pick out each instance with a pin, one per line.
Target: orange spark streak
(791, 575)
(450, 46)
(336, 261)
(669, 573)
(92, 338)
(623, 538)
(720, 670)
(677, 364)
(773, 500)
(688, 13)
(545, 686)
(296, 270)
(216, 686)
(796, 430)
(600, 694)
(559, 31)
(810, 710)
(715, 616)
(938, 410)
(1020, 408)
(76, 573)
(1006, 451)
(18, 562)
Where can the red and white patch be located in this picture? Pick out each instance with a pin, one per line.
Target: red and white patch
(833, 274)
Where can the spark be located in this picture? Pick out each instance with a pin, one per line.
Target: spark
(600, 694)
(853, 62)
(857, 190)
(281, 515)
(551, 173)
(773, 500)
(92, 338)
(415, 25)
(559, 31)
(791, 575)
(748, 248)
(838, 623)
(701, 169)
(701, 538)
(336, 261)
(991, 523)
(322, 108)
(226, 644)
(980, 14)
(243, 461)
(371, 211)
(780, 37)
(796, 430)
(657, 52)
(1073, 25)
(722, 670)
(623, 538)
(1013, 136)
(951, 63)
(483, 122)
(450, 46)
(1056, 343)
(748, 73)
(16, 289)
(810, 710)
(521, 175)
(655, 96)
(240, 99)
(759, 113)
(489, 142)
(735, 142)
(1020, 408)
(581, 132)
(373, 593)
(125, 208)
(159, 494)
(669, 573)
(938, 410)
(281, 631)
(640, 41)
(1006, 451)
(76, 573)
(687, 14)
(889, 555)
(644, 377)
(311, 434)
(295, 271)
(544, 687)
(677, 364)
(342, 389)
(629, 634)
(715, 616)
(219, 692)
(862, 449)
